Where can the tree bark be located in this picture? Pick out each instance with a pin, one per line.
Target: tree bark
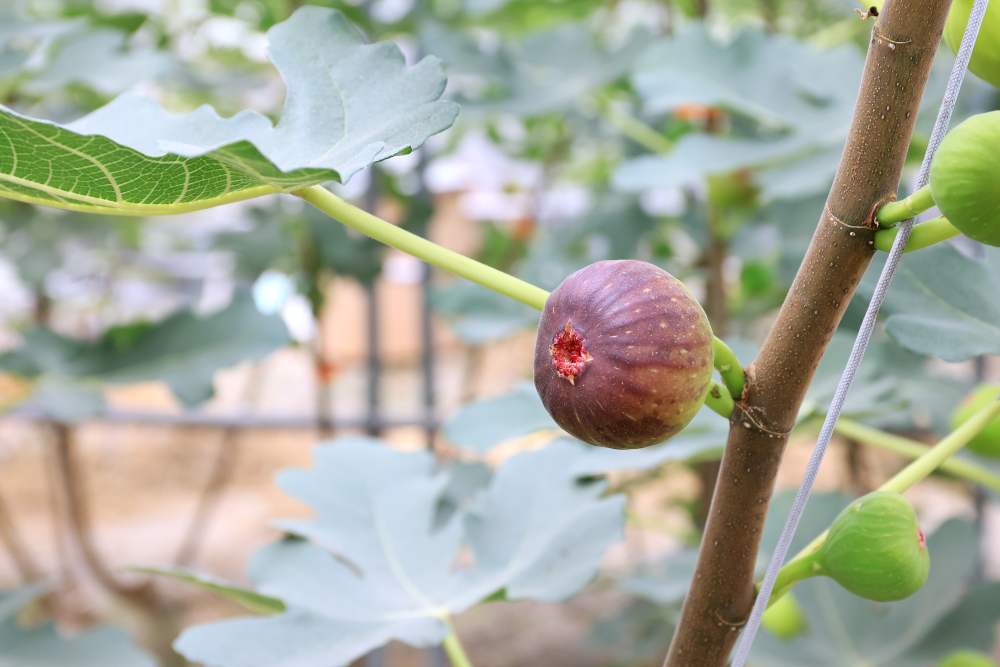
(900, 53)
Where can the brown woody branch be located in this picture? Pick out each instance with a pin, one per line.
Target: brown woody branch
(900, 53)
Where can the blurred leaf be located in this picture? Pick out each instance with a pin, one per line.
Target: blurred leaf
(482, 425)
(251, 600)
(376, 569)
(802, 120)
(478, 315)
(184, 350)
(97, 59)
(946, 304)
(553, 70)
(133, 156)
(44, 646)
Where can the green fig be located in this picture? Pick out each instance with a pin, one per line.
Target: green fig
(967, 659)
(987, 443)
(875, 549)
(965, 177)
(985, 61)
(784, 617)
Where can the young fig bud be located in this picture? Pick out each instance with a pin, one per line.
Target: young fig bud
(987, 443)
(963, 177)
(623, 357)
(967, 659)
(875, 548)
(985, 61)
(784, 618)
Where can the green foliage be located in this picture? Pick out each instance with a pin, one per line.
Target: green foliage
(43, 645)
(797, 124)
(377, 563)
(967, 659)
(954, 319)
(184, 351)
(132, 156)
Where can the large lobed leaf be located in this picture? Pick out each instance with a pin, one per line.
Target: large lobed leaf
(348, 105)
(379, 564)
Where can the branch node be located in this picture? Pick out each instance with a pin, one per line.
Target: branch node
(752, 421)
(879, 37)
(827, 213)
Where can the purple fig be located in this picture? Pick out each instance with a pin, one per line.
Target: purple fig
(623, 357)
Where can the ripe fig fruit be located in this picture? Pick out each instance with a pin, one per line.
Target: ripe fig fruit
(967, 659)
(784, 618)
(964, 177)
(875, 548)
(987, 443)
(623, 357)
(985, 61)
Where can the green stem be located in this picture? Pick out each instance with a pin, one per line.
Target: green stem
(729, 367)
(904, 209)
(449, 260)
(634, 129)
(798, 569)
(917, 471)
(941, 452)
(453, 647)
(923, 235)
(914, 450)
(720, 401)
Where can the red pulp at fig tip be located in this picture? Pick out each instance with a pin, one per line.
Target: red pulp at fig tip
(569, 353)
(921, 538)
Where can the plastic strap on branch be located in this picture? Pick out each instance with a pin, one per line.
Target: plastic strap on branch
(742, 650)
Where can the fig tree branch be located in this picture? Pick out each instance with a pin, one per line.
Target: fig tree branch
(901, 49)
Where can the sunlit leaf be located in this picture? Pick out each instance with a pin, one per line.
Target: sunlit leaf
(379, 565)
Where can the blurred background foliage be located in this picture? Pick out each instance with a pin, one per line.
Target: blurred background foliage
(179, 362)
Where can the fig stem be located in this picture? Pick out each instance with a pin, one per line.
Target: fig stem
(914, 450)
(798, 569)
(428, 251)
(719, 400)
(923, 235)
(915, 472)
(632, 127)
(729, 367)
(453, 647)
(906, 208)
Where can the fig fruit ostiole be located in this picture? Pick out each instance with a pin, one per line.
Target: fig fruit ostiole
(874, 549)
(985, 61)
(987, 443)
(963, 184)
(623, 357)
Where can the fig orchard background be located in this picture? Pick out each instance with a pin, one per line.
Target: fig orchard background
(695, 135)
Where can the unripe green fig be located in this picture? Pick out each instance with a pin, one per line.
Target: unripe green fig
(875, 548)
(985, 61)
(987, 443)
(623, 357)
(965, 177)
(784, 617)
(967, 659)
